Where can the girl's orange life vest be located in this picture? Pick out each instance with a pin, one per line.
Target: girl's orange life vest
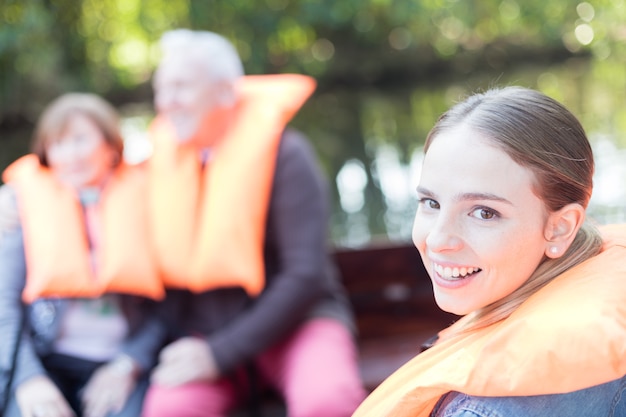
(568, 336)
(58, 261)
(209, 224)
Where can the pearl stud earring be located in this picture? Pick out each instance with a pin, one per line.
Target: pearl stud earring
(554, 250)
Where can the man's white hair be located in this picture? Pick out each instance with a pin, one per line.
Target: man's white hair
(216, 53)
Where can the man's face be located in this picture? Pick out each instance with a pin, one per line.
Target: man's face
(184, 94)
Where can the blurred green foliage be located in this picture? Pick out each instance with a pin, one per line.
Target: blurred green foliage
(109, 46)
(386, 68)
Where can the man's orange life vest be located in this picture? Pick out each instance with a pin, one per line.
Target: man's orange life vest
(58, 261)
(568, 336)
(209, 224)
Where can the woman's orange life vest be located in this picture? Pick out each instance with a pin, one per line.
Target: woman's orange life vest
(568, 336)
(209, 224)
(58, 261)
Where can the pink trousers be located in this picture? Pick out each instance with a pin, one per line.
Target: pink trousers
(315, 370)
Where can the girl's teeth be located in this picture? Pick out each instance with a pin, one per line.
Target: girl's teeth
(448, 272)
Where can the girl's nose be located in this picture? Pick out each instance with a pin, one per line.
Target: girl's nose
(444, 235)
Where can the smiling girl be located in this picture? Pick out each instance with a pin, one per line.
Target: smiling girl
(501, 229)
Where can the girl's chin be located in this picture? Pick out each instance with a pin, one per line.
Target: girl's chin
(453, 308)
(454, 300)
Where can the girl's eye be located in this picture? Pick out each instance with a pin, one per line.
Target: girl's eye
(429, 203)
(484, 213)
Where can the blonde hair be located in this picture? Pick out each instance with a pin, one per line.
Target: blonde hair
(538, 133)
(55, 116)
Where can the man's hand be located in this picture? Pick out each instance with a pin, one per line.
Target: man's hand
(186, 360)
(109, 387)
(39, 397)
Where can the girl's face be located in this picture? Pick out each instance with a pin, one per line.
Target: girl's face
(479, 227)
(80, 156)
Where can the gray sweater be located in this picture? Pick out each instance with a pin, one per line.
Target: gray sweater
(301, 279)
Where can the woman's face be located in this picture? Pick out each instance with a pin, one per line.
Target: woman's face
(479, 227)
(80, 155)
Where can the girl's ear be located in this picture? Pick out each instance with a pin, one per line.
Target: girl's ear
(561, 229)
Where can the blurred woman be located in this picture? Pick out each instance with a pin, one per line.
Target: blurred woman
(74, 250)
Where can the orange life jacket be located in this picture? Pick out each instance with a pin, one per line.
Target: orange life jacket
(58, 260)
(209, 224)
(568, 336)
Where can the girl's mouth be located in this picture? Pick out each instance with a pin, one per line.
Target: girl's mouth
(455, 273)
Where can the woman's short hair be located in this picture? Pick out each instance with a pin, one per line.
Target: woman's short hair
(56, 115)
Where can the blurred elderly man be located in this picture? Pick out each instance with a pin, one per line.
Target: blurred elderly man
(240, 216)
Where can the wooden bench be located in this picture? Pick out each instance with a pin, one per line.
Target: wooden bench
(395, 312)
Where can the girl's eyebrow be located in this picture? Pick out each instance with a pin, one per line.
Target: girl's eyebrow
(468, 196)
(423, 191)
